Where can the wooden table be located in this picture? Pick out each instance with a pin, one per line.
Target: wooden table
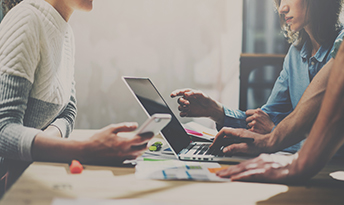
(43, 182)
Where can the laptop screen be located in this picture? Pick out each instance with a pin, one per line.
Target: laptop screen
(152, 102)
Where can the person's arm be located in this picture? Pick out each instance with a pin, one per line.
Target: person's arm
(292, 129)
(195, 103)
(64, 123)
(279, 103)
(104, 147)
(17, 71)
(325, 138)
(295, 126)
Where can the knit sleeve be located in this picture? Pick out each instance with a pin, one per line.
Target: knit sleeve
(19, 56)
(65, 121)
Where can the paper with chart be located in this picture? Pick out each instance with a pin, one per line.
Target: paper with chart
(177, 170)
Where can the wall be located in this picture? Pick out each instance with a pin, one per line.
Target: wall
(177, 43)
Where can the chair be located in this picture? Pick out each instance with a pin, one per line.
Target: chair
(250, 62)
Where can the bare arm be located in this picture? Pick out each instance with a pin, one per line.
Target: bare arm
(296, 125)
(326, 135)
(325, 138)
(104, 147)
(293, 128)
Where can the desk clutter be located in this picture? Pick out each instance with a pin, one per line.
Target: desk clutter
(177, 170)
(53, 183)
(160, 163)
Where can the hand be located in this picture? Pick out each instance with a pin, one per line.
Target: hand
(265, 168)
(107, 147)
(259, 121)
(193, 103)
(261, 143)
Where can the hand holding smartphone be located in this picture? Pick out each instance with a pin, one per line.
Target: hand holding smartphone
(154, 124)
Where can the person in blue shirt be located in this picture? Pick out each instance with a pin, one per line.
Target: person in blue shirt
(320, 113)
(312, 26)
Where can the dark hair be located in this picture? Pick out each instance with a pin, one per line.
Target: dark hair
(8, 4)
(324, 20)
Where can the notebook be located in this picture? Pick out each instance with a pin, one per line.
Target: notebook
(174, 133)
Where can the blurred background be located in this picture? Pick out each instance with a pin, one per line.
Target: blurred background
(231, 50)
(178, 44)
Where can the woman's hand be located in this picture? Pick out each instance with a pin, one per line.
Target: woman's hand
(194, 103)
(265, 168)
(106, 146)
(261, 143)
(259, 121)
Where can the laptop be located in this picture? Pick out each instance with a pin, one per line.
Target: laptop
(174, 133)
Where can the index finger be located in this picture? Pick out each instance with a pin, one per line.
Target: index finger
(120, 127)
(249, 112)
(141, 139)
(179, 92)
(224, 132)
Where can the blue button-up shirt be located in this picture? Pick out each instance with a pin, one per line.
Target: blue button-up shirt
(299, 68)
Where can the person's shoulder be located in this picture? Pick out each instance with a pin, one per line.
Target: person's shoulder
(338, 41)
(22, 15)
(293, 52)
(20, 30)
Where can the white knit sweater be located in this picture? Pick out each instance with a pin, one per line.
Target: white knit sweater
(36, 76)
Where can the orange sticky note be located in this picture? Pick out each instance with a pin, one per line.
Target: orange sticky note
(75, 167)
(214, 170)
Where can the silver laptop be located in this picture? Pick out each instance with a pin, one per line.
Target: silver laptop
(178, 140)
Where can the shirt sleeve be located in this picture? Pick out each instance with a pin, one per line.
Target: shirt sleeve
(277, 107)
(336, 44)
(279, 104)
(66, 120)
(233, 118)
(19, 57)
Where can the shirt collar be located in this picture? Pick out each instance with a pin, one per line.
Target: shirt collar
(319, 56)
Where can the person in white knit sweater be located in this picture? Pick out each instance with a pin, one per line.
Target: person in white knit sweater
(37, 95)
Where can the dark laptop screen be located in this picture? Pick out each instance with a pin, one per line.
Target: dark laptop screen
(152, 101)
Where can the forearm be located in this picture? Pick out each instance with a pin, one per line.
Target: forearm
(53, 131)
(216, 113)
(65, 121)
(232, 118)
(53, 149)
(326, 135)
(296, 125)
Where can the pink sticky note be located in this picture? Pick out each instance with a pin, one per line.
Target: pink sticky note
(193, 132)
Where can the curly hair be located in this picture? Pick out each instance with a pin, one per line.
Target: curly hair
(324, 20)
(8, 4)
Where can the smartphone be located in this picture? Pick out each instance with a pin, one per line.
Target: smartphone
(154, 124)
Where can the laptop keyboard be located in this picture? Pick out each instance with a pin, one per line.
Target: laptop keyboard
(203, 149)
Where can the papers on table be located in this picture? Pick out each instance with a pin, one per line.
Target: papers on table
(177, 170)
